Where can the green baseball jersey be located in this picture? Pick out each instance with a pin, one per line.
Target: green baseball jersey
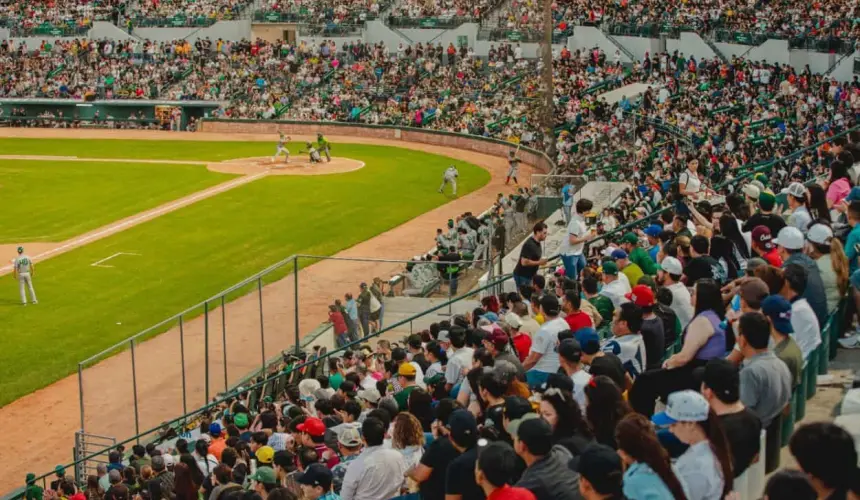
(322, 142)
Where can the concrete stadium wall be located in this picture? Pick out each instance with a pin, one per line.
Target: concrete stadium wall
(458, 141)
(227, 30)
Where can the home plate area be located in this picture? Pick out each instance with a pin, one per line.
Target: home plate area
(297, 165)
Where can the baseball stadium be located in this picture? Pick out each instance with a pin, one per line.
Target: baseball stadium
(396, 249)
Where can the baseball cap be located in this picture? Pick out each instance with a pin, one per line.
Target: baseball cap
(610, 268)
(490, 316)
(751, 191)
(683, 406)
(672, 266)
(753, 290)
(790, 238)
(498, 337)
(349, 437)
(513, 427)
(549, 305)
(600, 465)
(215, 429)
(853, 195)
(241, 420)
(462, 424)
(641, 295)
(169, 461)
(513, 320)
(588, 340)
(630, 238)
(312, 426)
(316, 475)
(516, 407)
(21, 250)
(444, 336)
(60, 470)
(407, 370)
(766, 200)
(653, 230)
(570, 350)
(761, 178)
(619, 254)
(370, 395)
(434, 379)
(762, 236)
(722, 377)
(797, 189)
(778, 309)
(265, 454)
(820, 234)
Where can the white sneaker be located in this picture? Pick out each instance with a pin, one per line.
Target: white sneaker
(852, 342)
(35, 302)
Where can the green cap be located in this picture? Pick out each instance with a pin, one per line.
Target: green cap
(20, 249)
(435, 379)
(241, 420)
(265, 475)
(761, 177)
(31, 478)
(766, 200)
(610, 268)
(60, 470)
(630, 238)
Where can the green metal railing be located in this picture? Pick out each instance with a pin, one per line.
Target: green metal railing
(429, 22)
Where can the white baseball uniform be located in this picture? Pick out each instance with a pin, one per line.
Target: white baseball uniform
(282, 148)
(23, 265)
(450, 177)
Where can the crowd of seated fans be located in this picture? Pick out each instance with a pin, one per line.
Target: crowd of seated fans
(212, 10)
(327, 12)
(25, 17)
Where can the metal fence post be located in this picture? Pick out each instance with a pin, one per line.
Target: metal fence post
(224, 340)
(297, 346)
(182, 361)
(134, 387)
(206, 350)
(262, 331)
(81, 392)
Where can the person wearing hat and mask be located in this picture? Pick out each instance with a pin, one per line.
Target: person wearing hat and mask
(614, 288)
(349, 447)
(543, 356)
(778, 312)
(671, 272)
(637, 255)
(653, 232)
(763, 246)
(632, 271)
(790, 244)
(765, 381)
(601, 473)
(705, 469)
(460, 481)
(765, 216)
(497, 343)
(798, 202)
(652, 326)
(497, 464)
(547, 474)
(378, 471)
(720, 386)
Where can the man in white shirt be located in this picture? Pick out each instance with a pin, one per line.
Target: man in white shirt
(378, 471)
(807, 331)
(614, 288)
(569, 357)
(669, 276)
(543, 356)
(459, 357)
(577, 235)
(627, 342)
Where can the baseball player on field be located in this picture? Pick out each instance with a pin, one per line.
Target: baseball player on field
(282, 148)
(312, 153)
(513, 166)
(23, 270)
(450, 177)
(324, 147)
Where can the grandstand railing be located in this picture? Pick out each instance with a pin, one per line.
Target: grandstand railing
(329, 29)
(429, 22)
(70, 28)
(524, 35)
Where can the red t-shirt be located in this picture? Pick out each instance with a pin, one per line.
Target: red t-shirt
(578, 320)
(511, 493)
(522, 343)
(773, 258)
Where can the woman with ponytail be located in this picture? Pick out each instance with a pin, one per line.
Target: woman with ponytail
(649, 474)
(832, 263)
(705, 468)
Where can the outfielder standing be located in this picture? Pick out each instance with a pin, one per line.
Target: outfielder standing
(513, 166)
(23, 269)
(282, 148)
(450, 177)
(324, 147)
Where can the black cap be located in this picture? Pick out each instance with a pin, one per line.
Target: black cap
(549, 305)
(414, 341)
(398, 354)
(316, 475)
(722, 377)
(516, 407)
(570, 350)
(463, 426)
(557, 381)
(536, 434)
(601, 466)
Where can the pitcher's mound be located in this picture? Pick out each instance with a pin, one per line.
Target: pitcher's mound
(298, 165)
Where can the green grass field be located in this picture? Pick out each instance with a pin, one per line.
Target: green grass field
(194, 252)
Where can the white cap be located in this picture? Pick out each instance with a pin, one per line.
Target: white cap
(797, 190)
(790, 238)
(168, 460)
(751, 191)
(683, 406)
(672, 266)
(512, 319)
(820, 233)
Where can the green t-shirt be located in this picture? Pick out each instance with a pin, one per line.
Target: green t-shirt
(335, 380)
(604, 306)
(33, 492)
(402, 397)
(790, 354)
(640, 257)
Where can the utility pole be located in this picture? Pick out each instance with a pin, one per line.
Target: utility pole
(548, 107)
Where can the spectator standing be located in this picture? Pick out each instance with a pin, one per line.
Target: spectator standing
(363, 304)
(339, 324)
(765, 381)
(531, 256)
(577, 234)
(496, 467)
(778, 312)
(721, 388)
(378, 471)
(547, 474)
(543, 357)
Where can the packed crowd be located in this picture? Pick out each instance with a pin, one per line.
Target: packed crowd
(88, 69)
(327, 11)
(443, 9)
(169, 9)
(76, 14)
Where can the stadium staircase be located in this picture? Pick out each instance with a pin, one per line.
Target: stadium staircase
(707, 39)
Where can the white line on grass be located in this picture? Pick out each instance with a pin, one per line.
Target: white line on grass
(99, 263)
(151, 214)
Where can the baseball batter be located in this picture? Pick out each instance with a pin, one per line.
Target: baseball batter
(324, 147)
(282, 148)
(23, 269)
(513, 167)
(450, 177)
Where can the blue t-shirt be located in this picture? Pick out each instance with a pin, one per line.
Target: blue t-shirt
(566, 195)
(850, 250)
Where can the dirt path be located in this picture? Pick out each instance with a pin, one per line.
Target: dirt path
(52, 413)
